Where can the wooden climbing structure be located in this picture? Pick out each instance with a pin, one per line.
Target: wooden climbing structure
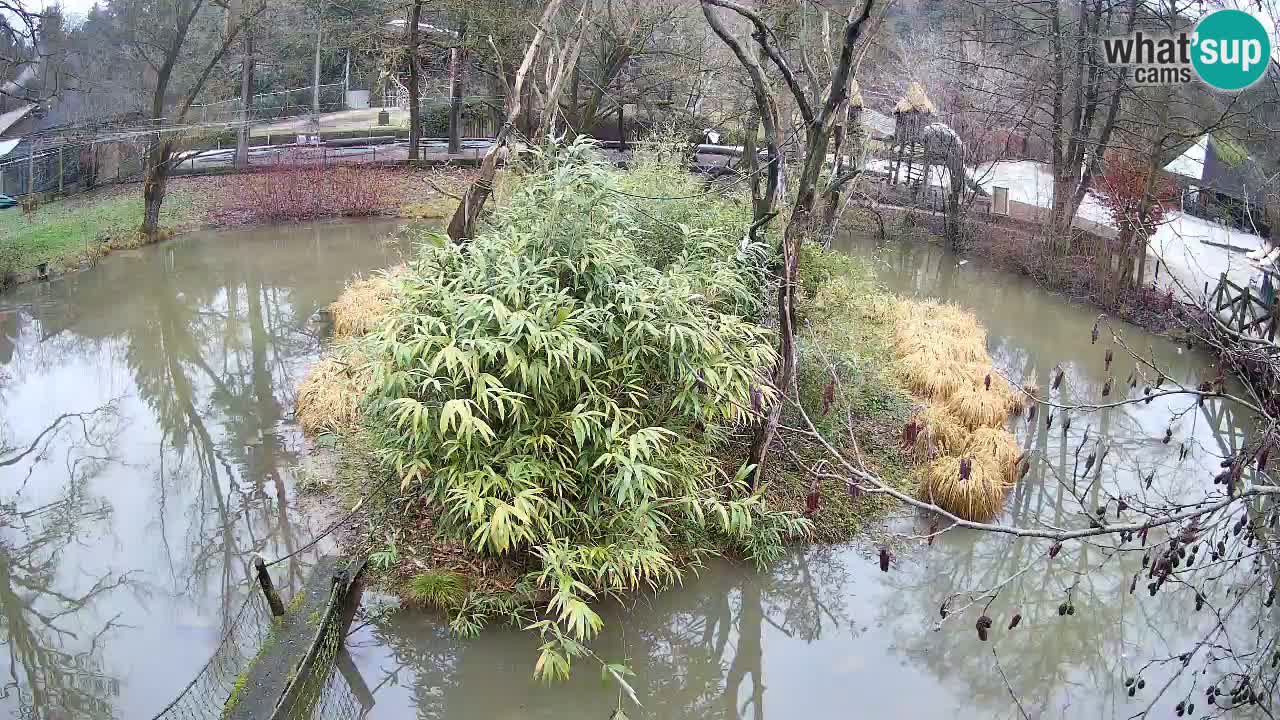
(912, 114)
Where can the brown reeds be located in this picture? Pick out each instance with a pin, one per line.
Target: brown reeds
(996, 446)
(978, 497)
(942, 358)
(939, 433)
(363, 304)
(329, 397)
(977, 407)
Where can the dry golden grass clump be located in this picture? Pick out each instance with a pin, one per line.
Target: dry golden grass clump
(942, 358)
(935, 343)
(976, 407)
(997, 446)
(329, 396)
(979, 497)
(939, 433)
(930, 377)
(363, 304)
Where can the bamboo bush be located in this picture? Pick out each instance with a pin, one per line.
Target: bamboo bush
(552, 395)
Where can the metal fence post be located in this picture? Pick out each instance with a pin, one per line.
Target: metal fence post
(268, 589)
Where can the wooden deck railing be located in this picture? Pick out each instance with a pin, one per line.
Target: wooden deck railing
(1244, 311)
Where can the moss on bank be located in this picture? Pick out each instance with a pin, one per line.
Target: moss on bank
(850, 390)
(84, 227)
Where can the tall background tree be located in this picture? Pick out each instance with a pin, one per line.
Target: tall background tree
(175, 48)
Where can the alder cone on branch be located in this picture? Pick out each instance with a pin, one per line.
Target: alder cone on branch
(983, 625)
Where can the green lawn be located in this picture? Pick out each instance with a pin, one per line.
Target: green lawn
(66, 230)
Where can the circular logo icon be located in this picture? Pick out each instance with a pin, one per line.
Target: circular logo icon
(1232, 49)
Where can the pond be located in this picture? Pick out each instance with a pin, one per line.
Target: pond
(826, 634)
(128, 529)
(146, 451)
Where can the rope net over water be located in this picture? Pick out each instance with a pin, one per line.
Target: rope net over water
(205, 697)
(323, 684)
(333, 688)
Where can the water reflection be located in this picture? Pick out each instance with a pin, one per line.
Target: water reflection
(50, 669)
(127, 525)
(697, 653)
(826, 634)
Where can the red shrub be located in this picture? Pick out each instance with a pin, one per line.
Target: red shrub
(1122, 188)
(301, 187)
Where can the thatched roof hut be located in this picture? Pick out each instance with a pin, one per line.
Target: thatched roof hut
(915, 101)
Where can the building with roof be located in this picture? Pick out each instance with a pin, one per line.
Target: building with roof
(1221, 182)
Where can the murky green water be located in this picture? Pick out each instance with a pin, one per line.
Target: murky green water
(127, 537)
(146, 451)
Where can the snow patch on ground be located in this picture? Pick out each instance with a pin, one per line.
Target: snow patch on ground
(1179, 243)
(1180, 246)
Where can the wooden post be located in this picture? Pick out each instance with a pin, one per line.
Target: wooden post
(31, 169)
(264, 579)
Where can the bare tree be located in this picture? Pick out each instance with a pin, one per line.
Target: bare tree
(178, 45)
(22, 50)
(237, 12)
(1047, 57)
(820, 108)
(413, 33)
(462, 224)
(457, 67)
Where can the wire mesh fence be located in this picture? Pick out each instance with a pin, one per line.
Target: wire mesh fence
(275, 105)
(257, 657)
(44, 171)
(207, 695)
(332, 688)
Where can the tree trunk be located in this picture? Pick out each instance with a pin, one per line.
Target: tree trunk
(751, 162)
(785, 370)
(154, 183)
(315, 91)
(831, 195)
(1063, 212)
(955, 215)
(574, 117)
(415, 119)
(1140, 280)
(526, 111)
(1102, 265)
(246, 102)
(455, 100)
(766, 114)
(156, 171)
(568, 64)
